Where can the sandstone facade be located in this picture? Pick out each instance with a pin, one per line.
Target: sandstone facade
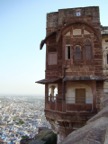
(74, 76)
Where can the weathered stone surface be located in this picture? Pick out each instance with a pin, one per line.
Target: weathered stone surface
(36, 142)
(45, 136)
(93, 133)
(106, 136)
(102, 113)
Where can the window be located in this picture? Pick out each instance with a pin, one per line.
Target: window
(77, 53)
(106, 40)
(88, 50)
(52, 58)
(88, 54)
(68, 52)
(52, 92)
(80, 96)
(67, 41)
(107, 58)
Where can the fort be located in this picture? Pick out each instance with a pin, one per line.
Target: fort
(76, 67)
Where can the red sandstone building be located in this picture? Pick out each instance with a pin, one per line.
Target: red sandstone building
(74, 72)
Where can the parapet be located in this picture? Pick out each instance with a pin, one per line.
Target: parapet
(65, 16)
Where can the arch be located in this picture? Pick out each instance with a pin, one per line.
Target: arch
(58, 33)
(52, 92)
(65, 29)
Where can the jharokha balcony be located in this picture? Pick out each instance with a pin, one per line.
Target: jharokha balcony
(57, 108)
(57, 104)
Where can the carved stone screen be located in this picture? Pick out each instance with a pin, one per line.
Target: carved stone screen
(77, 53)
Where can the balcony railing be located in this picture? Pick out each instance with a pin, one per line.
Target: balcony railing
(56, 104)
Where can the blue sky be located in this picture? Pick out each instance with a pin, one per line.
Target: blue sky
(22, 27)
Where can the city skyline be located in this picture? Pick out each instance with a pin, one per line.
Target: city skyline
(22, 27)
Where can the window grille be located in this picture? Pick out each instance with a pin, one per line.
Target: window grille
(77, 53)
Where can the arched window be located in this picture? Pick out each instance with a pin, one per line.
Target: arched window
(88, 50)
(77, 53)
(52, 92)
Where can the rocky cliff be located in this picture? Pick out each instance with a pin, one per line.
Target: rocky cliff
(45, 136)
(95, 131)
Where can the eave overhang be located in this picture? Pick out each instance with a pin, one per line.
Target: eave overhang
(84, 78)
(72, 78)
(46, 81)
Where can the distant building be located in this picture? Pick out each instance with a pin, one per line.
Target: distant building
(2, 142)
(76, 67)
